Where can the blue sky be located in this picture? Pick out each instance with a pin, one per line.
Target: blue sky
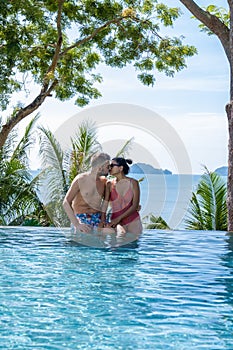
(193, 102)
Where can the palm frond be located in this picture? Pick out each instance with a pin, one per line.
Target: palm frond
(195, 219)
(54, 175)
(84, 146)
(155, 223)
(125, 148)
(60, 168)
(26, 141)
(208, 208)
(17, 192)
(8, 148)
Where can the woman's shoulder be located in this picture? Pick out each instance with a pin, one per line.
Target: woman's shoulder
(134, 183)
(132, 180)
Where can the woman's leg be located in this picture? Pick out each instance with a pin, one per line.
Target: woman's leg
(134, 227)
(120, 230)
(107, 230)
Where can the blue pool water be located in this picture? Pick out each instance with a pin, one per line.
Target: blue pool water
(174, 290)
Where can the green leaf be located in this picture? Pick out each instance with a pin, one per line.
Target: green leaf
(208, 208)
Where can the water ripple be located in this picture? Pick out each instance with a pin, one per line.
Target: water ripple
(174, 291)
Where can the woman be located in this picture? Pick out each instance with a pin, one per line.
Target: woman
(123, 193)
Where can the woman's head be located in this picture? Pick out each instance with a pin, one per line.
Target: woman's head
(119, 161)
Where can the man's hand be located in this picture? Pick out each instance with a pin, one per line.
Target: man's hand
(101, 224)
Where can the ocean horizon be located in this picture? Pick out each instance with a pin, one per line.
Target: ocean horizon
(163, 195)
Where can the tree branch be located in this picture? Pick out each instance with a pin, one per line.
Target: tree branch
(92, 35)
(98, 30)
(24, 112)
(55, 59)
(46, 87)
(212, 22)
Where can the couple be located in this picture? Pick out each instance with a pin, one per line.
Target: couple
(87, 199)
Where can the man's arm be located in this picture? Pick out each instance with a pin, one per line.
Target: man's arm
(67, 205)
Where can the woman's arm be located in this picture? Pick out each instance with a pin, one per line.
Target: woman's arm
(105, 203)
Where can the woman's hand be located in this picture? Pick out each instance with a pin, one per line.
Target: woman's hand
(115, 222)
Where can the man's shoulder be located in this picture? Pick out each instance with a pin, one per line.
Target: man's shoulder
(104, 179)
(81, 176)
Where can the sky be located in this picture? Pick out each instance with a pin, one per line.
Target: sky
(191, 105)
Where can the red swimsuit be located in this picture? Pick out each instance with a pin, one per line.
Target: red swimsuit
(122, 203)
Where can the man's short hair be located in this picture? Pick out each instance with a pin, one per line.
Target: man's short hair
(99, 159)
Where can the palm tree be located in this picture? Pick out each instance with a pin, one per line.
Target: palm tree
(18, 191)
(84, 146)
(208, 208)
(60, 168)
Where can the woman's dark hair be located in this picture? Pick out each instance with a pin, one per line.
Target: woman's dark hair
(123, 162)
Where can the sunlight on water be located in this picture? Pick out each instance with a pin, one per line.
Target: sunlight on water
(173, 290)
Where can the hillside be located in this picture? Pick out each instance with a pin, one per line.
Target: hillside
(222, 171)
(143, 168)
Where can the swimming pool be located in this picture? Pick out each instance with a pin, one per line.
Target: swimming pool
(173, 291)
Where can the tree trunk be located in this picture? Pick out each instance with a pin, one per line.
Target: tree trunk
(24, 112)
(225, 36)
(229, 110)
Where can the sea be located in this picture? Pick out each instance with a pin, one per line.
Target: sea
(167, 196)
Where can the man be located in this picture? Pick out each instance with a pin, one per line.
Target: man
(83, 200)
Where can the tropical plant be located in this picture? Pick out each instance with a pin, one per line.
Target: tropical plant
(84, 146)
(60, 167)
(37, 44)
(125, 148)
(208, 207)
(218, 21)
(18, 190)
(152, 222)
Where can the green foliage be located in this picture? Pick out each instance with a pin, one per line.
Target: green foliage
(167, 15)
(18, 191)
(219, 12)
(53, 179)
(125, 148)
(116, 33)
(84, 146)
(153, 222)
(208, 208)
(60, 168)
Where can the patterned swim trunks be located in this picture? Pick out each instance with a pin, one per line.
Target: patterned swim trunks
(90, 219)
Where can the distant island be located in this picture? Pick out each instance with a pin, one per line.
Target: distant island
(222, 171)
(143, 168)
(137, 168)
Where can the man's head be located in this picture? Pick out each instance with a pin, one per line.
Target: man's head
(100, 161)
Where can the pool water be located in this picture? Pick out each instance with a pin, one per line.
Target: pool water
(173, 290)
